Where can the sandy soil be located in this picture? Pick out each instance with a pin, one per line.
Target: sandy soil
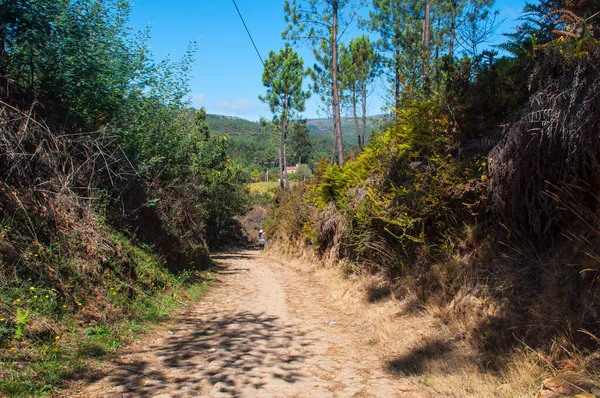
(264, 330)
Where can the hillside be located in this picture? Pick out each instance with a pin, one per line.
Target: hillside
(325, 126)
(231, 125)
(256, 149)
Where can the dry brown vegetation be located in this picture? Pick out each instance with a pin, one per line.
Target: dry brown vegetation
(499, 246)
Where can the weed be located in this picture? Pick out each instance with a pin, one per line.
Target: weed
(20, 323)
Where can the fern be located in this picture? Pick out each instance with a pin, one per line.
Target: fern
(20, 323)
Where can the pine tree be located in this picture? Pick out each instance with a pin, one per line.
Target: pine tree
(398, 24)
(359, 65)
(283, 76)
(323, 23)
(300, 142)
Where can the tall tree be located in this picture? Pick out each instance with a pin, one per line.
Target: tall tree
(283, 75)
(477, 25)
(359, 67)
(319, 22)
(300, 142)
(397, 23)
(426, 47)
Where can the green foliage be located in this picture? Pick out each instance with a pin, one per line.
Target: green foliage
(359, 66)
(288, 217)
(300, 144)
(111, 188)
(232, 126)
(405, 192)
(20, 322)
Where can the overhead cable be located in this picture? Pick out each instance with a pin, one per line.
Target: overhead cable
(248, 31)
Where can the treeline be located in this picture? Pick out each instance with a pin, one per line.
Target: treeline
(485, 187)
(110, 191)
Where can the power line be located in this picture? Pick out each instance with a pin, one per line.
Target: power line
(248, 31)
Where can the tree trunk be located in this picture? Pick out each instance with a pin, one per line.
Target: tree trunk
(356, 123)
(397, 77)
(281, 159)
(426, 41)
(284, 125)
(335, 92)
(452, 30)
(285, 173)
(364, 112)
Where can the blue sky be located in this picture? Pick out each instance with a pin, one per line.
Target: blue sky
(227, 74)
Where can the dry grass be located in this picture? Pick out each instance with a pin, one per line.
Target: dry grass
(428, 343)
(257, 188)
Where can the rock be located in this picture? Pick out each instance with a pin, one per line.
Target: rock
(569, 385)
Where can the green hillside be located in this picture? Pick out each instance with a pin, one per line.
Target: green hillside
(325, 126)
(231, 125)
(254, 148)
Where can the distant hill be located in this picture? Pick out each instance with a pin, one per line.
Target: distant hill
(254, 148)
(231, 125)
(325, 126)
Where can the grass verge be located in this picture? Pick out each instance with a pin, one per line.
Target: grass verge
(54, 326)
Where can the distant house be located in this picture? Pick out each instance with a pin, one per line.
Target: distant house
(291, 169)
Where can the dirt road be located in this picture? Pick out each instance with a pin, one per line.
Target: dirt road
(264, 330)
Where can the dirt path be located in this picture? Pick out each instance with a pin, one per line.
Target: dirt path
(264, 330)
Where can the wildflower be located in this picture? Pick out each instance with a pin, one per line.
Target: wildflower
(64, 306)
(57, 337)
(18, 300)
(12, 348)
(114, 293)
(55, 349)
(32, 288)
(47, 296)
(1, 319)
(34, 297)
(79, 304)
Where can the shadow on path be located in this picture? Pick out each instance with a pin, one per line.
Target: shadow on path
(232, 352)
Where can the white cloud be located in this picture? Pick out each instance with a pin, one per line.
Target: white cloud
(197, 100)
(237, 106)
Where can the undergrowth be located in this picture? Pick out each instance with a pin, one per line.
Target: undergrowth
(111, 188)
(494, 222)
(52, 325)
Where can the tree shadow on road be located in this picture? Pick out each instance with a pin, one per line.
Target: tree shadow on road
(231, 353)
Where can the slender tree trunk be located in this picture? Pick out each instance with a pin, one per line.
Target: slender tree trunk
(335, 92)
(426, 43)
(437, 44)
(397, 77)
(364, 112)
(284, 124)
(452, 30)
(281, 158)
(354, 110)
(333, 156)
(285, 173)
